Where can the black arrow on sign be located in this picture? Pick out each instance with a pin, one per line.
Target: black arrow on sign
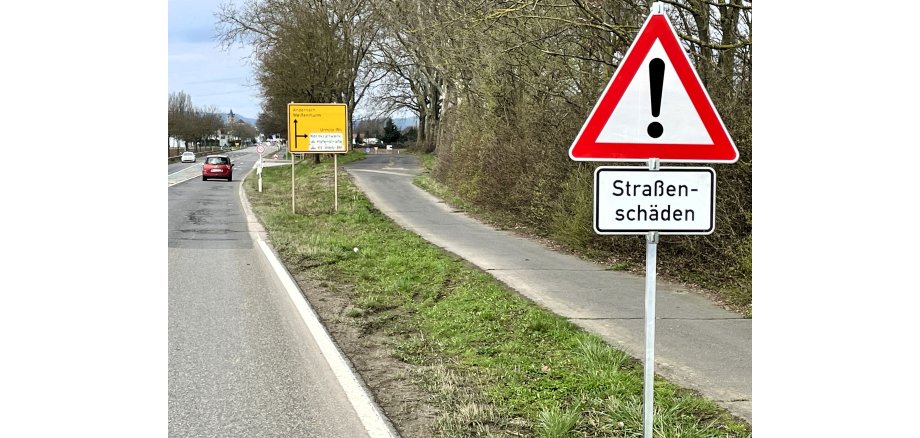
(295, 135)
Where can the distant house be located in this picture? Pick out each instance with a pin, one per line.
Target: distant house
(371, 141)
(175, 143)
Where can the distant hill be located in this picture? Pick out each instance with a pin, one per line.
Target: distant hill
(405, 122)
(249, 121)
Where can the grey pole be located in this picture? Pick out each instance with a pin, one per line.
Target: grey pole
(648, 380)
(651, 252)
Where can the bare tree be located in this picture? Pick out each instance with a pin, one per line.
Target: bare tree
(180, 114)
(500, 87)
(306, 50)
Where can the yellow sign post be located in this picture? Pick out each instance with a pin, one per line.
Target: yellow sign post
(318, 128)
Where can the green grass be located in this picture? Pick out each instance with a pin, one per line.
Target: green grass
(555, 423)
(496, 363)
(430, 185)
(427, 160)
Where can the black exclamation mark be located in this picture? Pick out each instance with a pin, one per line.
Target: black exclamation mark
(656, 78)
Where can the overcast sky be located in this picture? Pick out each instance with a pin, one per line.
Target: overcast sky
(210, 75)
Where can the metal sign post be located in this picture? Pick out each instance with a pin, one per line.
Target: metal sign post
(654, 108)
(653, 201)
(261, 149)
(648, 379)
(335, 177)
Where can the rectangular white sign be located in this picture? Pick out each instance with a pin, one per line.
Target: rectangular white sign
(671, 200)
(326, 141)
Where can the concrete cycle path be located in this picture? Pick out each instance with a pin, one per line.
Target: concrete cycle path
(698, 345)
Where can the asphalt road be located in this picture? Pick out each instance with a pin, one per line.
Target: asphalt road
(241, 363)
(698, 345)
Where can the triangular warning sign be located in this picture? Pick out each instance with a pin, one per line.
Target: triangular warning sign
(655, 106)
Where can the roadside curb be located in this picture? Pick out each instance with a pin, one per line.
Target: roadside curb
(375, 422)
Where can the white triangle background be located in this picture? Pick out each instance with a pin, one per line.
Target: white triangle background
(630, 119)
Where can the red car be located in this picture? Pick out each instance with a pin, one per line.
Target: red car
(217, 166)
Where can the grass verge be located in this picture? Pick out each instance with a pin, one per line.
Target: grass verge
(495, 363)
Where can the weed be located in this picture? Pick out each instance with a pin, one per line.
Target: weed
(556, 423)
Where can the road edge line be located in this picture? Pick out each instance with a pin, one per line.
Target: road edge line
(368, 411)
(375, 422)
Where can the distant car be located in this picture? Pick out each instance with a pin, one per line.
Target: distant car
(188, 157)
(217, 166)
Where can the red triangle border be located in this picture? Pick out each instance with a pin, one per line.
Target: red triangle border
(586, 148)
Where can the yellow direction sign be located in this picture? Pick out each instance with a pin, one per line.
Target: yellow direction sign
(318, 128)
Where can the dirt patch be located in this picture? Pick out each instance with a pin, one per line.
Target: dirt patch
(396, 385)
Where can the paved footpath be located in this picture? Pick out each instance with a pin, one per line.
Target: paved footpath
(698, 345)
